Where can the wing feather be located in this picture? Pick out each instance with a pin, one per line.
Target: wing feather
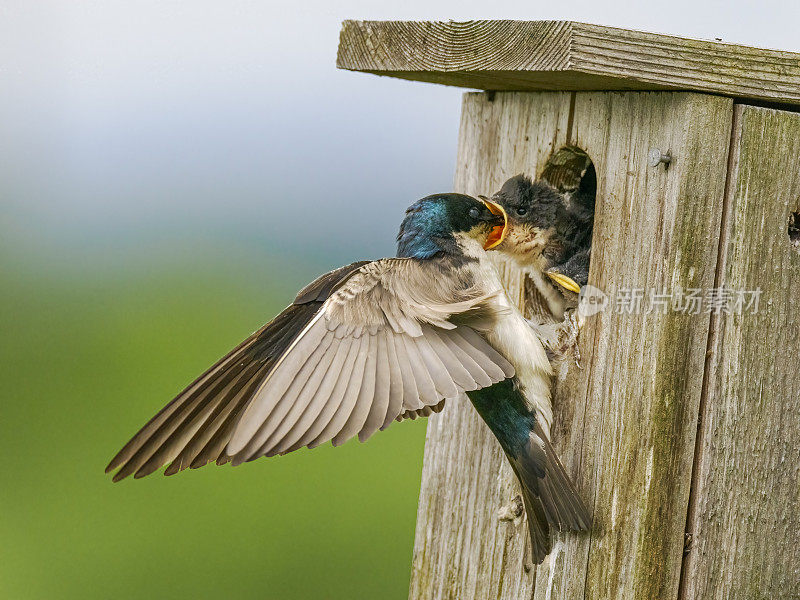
(425, 411)
(334, 353)
(187, 429)
(288, 377)
(445, 387)
(349, 396)
(493, 370)
(478, 374)
(364, 399)
(457, 371)
(396, 363)
(381, 390)
(304, 384)
(161, 441)
(411, 393)
(145, 433)
(209, 443)
(214, 449)
(476, 342)
(322, 407)
(277, 383)
(426, 390)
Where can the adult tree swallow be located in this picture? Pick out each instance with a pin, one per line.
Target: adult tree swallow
(374, 342)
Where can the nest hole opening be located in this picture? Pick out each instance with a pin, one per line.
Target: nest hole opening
(570, 169)
(571, 172)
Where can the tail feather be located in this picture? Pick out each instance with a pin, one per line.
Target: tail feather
(575, 514)
(550, 498)
(538, 527)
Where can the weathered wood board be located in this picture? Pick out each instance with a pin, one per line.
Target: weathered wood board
(745, 507)
(624, 425)
(565, 55)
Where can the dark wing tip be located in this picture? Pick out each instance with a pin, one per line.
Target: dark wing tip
(121, 457)
(117, 464)
(174, 468)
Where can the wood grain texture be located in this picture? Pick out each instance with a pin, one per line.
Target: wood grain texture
(625, 424)
(564, 55)
(745, 512)
(656, 229)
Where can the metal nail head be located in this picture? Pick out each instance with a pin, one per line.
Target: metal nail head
(655, 157)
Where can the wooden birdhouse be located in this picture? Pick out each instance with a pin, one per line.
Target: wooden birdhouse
(681, 426)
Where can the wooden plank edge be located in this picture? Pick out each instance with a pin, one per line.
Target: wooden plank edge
(565, 58)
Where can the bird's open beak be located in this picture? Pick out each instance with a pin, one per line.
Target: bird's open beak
(498, 232)
(566, 282)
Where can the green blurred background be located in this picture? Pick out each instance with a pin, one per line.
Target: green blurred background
(170, 174)
(87, 357)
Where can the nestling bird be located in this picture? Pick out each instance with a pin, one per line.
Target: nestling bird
(550, 237)
(377, 341)
(550, 227)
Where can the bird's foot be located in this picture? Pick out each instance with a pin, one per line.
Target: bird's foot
(511, 511)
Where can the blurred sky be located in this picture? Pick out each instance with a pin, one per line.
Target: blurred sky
(130, 125)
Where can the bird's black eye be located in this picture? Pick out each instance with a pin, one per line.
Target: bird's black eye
(474, 212)
(521, 211)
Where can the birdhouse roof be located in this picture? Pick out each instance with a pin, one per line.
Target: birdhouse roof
(565, 55)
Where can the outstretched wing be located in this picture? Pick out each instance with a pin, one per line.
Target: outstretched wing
(195, 427)
(358, 348)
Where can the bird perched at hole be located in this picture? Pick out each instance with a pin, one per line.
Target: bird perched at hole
(374, 342)
(550, 228)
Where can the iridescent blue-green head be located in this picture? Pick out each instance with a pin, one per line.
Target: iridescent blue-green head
(434, 224)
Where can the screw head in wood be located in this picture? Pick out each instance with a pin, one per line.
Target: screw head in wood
(655, 157)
